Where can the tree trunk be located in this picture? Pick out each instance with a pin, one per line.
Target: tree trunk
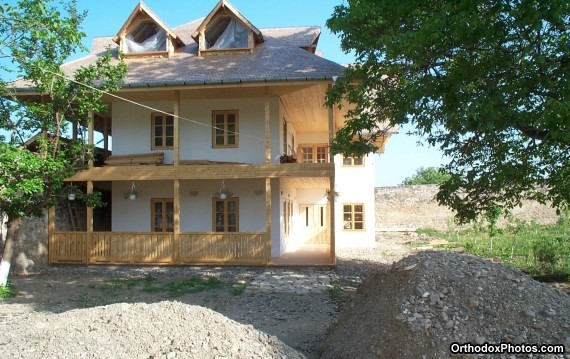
(14, 225)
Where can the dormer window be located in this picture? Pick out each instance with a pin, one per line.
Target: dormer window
(227, 33)
(146, 37)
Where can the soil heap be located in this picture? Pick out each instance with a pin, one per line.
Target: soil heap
(429, 300)
(161, 330)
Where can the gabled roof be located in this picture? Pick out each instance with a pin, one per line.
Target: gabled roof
(143, 9)
(223, 4)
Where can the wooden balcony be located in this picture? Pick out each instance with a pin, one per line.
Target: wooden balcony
(190, 172)
(159, 248)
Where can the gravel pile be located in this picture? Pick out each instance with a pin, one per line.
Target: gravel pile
(429, 300)
(161, 330)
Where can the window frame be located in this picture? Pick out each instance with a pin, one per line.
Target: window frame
(352, 219)
(153, 136)
(225, 128)
(164, 215)
(352, 158)
(314, 152)
(225, 213)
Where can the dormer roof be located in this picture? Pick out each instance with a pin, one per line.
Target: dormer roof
(143, 12)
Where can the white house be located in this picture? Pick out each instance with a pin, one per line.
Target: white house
(207, 108)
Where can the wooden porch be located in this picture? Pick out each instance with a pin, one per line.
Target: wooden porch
(159, 248)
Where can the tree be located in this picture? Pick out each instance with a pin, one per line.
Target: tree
(485, 81)
(426, 175)
(37, 37)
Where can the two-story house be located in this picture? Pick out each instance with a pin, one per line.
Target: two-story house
(216, 151)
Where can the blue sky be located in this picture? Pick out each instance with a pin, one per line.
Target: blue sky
(105, 17)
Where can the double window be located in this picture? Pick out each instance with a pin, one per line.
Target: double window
(162, 131)
(225, 128)
(162, 215)
(353, 161)
(314, 153)
(353, 217)
(225, 214)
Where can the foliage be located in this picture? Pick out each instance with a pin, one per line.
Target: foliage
(192, 285)
(533, 248)
(238, 289)
(426, 175)
(486, 82)
(38, 153)
(7, 291)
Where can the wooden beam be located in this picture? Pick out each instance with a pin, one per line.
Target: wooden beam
(89, 225)
(222, 171)
(176, 234)
(176, 128)
(51, 233)
(106, 133)
(90, 138)
(268, 218)
(332, 190)
(267, 129)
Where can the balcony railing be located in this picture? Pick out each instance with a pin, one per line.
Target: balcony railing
(159, 248)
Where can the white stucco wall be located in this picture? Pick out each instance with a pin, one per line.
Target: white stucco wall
(195, 211)
(355, 185)
(132, 129)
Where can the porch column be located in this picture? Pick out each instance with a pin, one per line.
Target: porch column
(106, 134)
(51, 234)
(332, 190)
(89, 243)
(90, 139)
(268, 219)
(267, 130)
(176, 229)
(176, 128)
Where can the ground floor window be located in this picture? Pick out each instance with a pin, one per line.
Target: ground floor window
(225, 215)
(353, 217)
(162, 215)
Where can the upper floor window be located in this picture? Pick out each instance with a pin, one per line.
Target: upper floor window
(226, 33)
(314, 153)
(353, 161)
(162, 131)
(225, 128)
(145, 37)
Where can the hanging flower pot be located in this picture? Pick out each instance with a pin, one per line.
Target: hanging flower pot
(133, 194)
(224, 192)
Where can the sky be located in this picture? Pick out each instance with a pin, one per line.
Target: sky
(402, 155)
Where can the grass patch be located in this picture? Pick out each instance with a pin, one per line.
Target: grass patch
(531, 247)
(238, 288)
(8, 291)
(192, 285)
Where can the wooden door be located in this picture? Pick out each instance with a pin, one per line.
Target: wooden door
(314, 223)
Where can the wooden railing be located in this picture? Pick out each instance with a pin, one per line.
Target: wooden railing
(159, 248)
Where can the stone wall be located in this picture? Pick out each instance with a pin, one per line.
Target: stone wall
(407, 208)
(30, 251)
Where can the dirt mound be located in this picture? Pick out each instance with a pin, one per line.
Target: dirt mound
(161, 330)
(429, 300)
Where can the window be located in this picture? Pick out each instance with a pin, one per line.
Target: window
(314, 153)
(225, 215)
(353, 217)
(287, 217)
(145, 37)
(226, 33)
(162, 131)
(225, 131)
(162, 215)
(353, 161)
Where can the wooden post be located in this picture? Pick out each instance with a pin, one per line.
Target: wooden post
(267, 129)
(89, 243)
(332, 190)
(90, 139)
(176, 229)
(268, 219)
(176, 128)
(106, 134)
(51, 234)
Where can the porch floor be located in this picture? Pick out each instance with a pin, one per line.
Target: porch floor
(307, 255)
